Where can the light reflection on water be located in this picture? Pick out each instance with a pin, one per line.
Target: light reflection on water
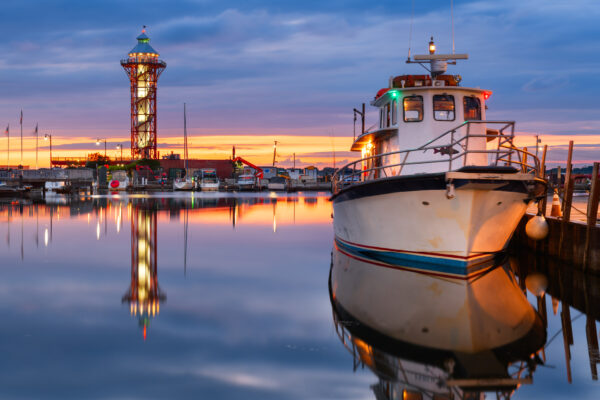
(230, 292)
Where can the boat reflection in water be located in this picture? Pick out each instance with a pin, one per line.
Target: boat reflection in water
(432, 337)
(144, 294)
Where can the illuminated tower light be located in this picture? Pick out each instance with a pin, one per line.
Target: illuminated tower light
(143, 69)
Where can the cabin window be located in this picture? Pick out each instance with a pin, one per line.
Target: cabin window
(472, 107)
(443, 107)
(394, 112)
(413, 108)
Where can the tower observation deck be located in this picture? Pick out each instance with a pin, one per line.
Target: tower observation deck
(143, 69)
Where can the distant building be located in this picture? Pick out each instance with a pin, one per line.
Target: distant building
(224, 168)
(269, 172)
(172, 156)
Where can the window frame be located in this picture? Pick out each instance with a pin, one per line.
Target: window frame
(394, 112)
(387, 114)
(433, 100)
(422, 108)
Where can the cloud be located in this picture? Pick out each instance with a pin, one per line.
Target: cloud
(261, 67)
(546, 83)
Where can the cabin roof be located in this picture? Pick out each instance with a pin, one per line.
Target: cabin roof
(369, 136)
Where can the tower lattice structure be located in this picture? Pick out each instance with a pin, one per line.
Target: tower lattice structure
(143, 69)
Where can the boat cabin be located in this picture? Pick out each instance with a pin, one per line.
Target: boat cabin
(209, 175)
(414, 111)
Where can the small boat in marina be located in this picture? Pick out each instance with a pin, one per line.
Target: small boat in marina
(208, 180)
(54, 186)
(437, 183)
(183, 184)
(119, 181)
(246, 182)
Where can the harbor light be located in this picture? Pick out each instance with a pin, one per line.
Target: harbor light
(431, 46)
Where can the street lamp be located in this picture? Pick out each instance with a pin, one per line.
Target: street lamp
(47, 136)
(120, 147)
(98, 141)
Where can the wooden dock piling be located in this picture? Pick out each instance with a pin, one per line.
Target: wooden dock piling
(592, 212)
(544, 202)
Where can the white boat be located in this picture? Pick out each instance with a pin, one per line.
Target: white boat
(209, 182)
(183, 184)
(119, 181)
(437, 183)
(246, 182)
(54, 186)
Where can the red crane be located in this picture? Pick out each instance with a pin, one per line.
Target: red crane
(258, 170)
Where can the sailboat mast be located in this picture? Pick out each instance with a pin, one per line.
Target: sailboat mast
(185, 146)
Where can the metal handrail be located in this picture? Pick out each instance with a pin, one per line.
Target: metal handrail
(504, 151)
(142, 60)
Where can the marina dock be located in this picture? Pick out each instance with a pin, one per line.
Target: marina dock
(576, 241)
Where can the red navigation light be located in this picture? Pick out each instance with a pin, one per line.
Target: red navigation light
(487, 95)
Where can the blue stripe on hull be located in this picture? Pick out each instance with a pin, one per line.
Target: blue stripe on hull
(418, 261)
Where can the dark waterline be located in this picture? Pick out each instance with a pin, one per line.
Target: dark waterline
(242, 311)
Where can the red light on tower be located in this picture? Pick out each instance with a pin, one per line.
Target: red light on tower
(143, 69)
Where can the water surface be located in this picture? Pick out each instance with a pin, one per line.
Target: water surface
(208, 296)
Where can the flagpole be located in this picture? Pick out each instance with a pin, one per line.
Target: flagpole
(8, 146)
(36, 146)
(21, 138)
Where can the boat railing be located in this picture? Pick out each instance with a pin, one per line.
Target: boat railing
(454, 148)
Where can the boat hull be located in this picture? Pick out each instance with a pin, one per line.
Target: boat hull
(209, 187)
(277, 186)
(246, 186)
(183, 185)
(417, 219)
(118, 185)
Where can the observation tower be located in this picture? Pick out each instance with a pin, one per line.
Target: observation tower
(143, 69)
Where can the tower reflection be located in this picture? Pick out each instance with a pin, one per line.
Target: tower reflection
(435, 338)
(144, 294)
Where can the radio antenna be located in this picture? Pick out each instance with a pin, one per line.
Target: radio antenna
(412, 17)
(452, 22)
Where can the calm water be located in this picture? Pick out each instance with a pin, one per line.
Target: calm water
(214, 297)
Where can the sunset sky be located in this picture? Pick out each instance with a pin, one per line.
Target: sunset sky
(254, 71)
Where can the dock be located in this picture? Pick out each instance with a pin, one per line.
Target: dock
(23, 180)
(575, 242)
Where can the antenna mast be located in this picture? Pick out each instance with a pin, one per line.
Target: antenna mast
(452, 22)
(412, 17)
